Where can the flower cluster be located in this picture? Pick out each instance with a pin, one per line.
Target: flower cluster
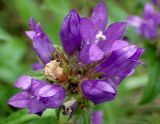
(147, 25)
(94, 62)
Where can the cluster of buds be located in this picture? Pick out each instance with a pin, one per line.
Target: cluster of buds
(94, 61)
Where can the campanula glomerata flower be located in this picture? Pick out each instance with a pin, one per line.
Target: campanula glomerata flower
(93, 63)
(147, 25)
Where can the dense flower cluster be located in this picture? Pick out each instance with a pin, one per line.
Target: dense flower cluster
(147, 25)
(94, 62)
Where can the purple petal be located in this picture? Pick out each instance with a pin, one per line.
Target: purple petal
(98, 91)
(37, 66)
(118, 56)
(43, 47)
(90, 53)
(148, 11)
(31, 34)
(97, 117)
(20, 100)
(41, 42)
(118, 44)
(100, 16)
(95, 53)
(70, 34)
(134, 21)
(32, 24)
(114, 32)
(55, 100)
(87, 30)
(149, 30)
(120, 64)
(49, 90)
(35, 106)
(24, 82)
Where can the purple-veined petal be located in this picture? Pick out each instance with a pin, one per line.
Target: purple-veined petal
(97, 117)
(118, 44)
(98, 91)
(90, 53)
(20, 100)
(31, 34)
(24, 82)
(35, 106)
(114, 32)
(95, 53)
(134, 21)
(100, 16)
(41, 42)
(117, 57)
(49, 90)
(120, 64)
(87, 30)
(37, 66)
(43, 47)
(70, 33)
(55, 100)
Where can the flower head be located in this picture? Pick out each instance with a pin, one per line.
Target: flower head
(148, 24)
(93, 63)
(37, 95)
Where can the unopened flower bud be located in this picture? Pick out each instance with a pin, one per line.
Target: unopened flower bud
(53, 71)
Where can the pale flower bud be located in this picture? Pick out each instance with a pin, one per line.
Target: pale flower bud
(53, 71)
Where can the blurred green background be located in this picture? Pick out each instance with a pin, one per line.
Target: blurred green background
(137, 101)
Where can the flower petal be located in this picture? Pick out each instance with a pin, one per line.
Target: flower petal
(95, 53)
(37, 66)
(100, 16)
(41, 42)
(35, 106)
(134, 21)
(24, 82)
(55, 100)
(97, 117)
(120, 64)
(20, 100)
(43, 47)
(87, 30)
(70, 34)
(98, 91)
(118, 44)
(90, 53)
(114, 32)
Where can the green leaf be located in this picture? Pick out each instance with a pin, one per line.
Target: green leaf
(153, 86)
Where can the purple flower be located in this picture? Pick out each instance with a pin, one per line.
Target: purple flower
(41, 43)
(70, 35)
(97, 40)
(97, 117)
(37, 95)
(156, 2)
(85, 41)
(148, 24)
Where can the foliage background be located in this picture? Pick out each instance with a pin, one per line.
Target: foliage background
(137, 102)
